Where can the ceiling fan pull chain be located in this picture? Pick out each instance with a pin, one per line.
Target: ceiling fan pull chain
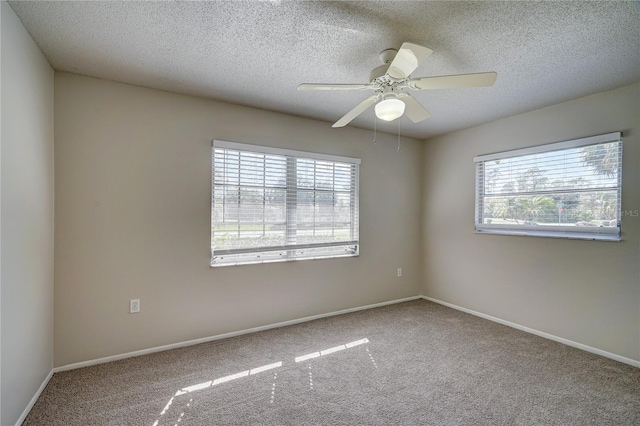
(375, 126)
(398, 135)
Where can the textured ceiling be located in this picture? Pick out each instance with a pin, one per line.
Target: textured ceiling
(256, 53)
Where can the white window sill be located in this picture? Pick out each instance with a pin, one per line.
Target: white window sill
(552, 234)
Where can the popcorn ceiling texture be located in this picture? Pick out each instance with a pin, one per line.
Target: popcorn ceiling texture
(256, 53)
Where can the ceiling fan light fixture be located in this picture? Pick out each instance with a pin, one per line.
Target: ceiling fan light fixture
(389, 109)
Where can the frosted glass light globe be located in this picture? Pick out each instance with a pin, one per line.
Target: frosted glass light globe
(389, 109)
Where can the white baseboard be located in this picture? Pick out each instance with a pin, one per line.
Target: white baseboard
(224, 336)
(29, 406)
(539, 333)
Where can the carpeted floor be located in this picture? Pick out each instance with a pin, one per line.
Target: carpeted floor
(414, 363)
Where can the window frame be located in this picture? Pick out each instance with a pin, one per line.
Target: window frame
(291, 250)
(601, 233)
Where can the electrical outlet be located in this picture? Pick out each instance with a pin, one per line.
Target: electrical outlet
(399, 272)
(134, 306)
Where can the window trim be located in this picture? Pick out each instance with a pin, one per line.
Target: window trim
(567, 232)
(291, 185)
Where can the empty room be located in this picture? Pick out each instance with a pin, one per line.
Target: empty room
(320, 213)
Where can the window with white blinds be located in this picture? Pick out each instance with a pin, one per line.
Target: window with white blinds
(569, 189)
(271, 205)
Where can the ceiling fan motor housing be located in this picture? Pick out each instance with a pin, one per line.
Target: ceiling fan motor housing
(390, 92)
(386, 56)
(378, 72)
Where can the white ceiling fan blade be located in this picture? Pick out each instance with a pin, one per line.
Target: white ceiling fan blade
(313, 86)
(413, 109)
(482, 79)
(408, 58)
(362, 106)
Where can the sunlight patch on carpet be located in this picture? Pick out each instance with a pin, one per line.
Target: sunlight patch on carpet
(246, 373)
(331, 350)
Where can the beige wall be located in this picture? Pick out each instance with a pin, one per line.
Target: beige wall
(584, 291)
(133, 221)
(27, 218)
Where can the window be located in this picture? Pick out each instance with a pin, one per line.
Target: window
(271, 205)
(569, 189)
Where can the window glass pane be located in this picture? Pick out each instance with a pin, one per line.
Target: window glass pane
(275, 205)
(270, 207)
(324, 175)
(343, 177)
(251, 169)
(275, 171)
(553, 171)
(598, 208)
(569, 191)
(305, 173)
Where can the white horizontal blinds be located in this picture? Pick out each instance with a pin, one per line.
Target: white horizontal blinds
(249, 200)
(277, 205)
(325, 207)
(574, 189)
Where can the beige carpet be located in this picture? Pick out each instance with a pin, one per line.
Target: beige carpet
(414, 363)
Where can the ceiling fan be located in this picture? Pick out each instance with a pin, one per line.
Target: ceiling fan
(389, 81)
